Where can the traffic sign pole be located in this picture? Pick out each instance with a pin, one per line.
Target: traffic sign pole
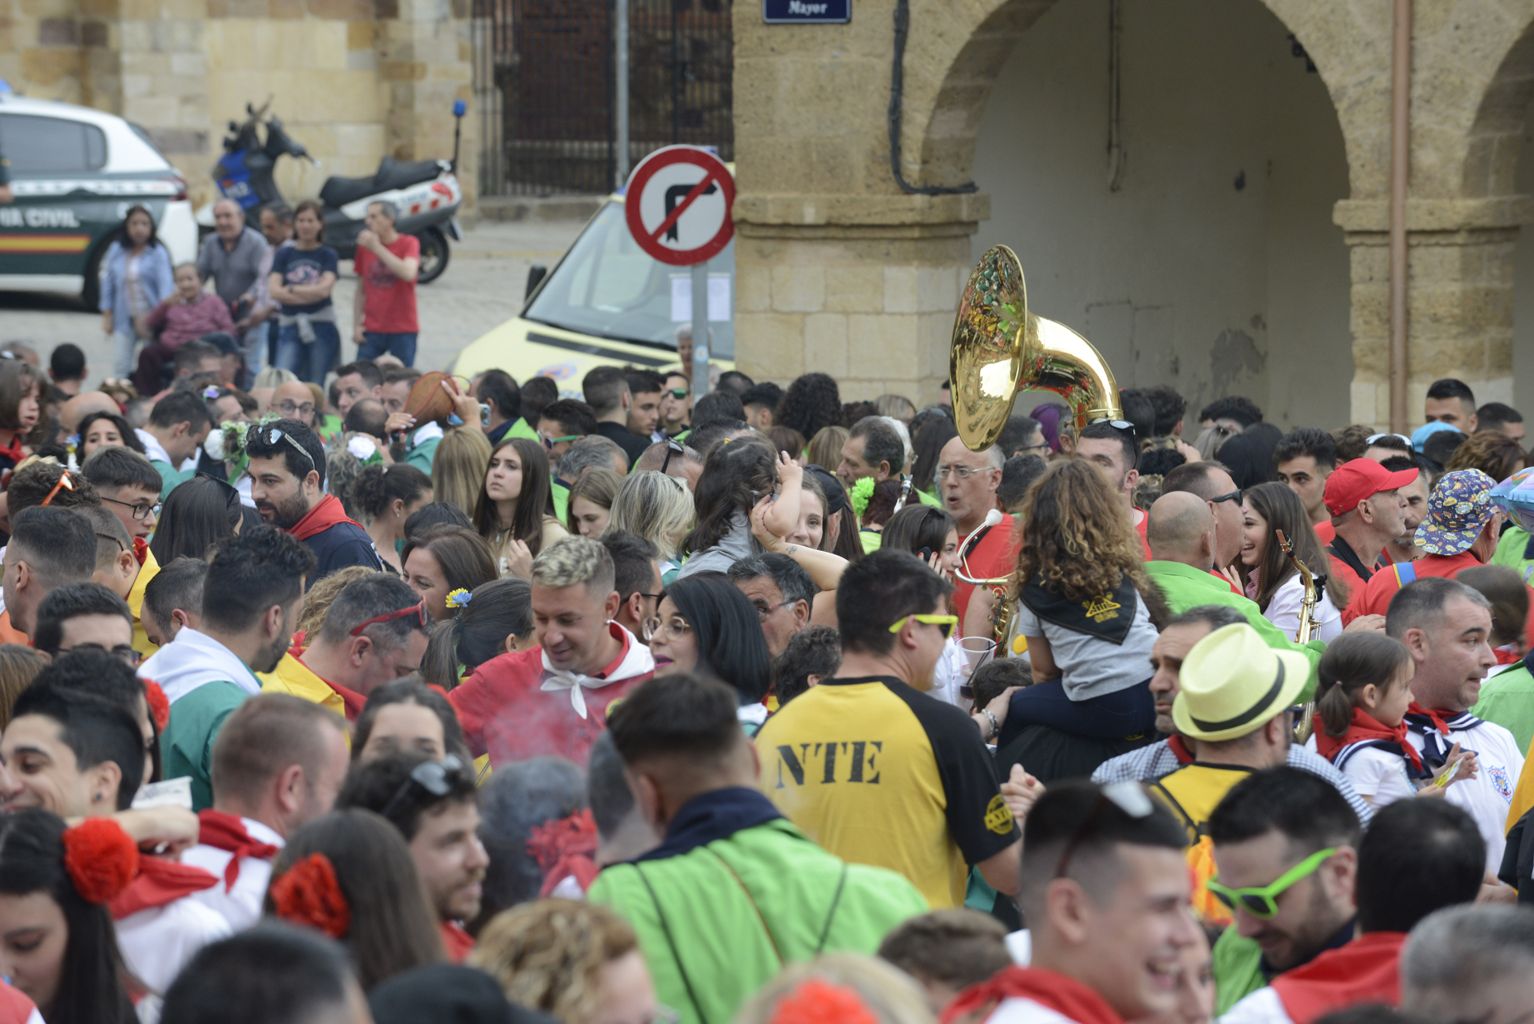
(700, 337)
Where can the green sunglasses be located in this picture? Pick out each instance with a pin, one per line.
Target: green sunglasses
(1262, 901)
(677, 392)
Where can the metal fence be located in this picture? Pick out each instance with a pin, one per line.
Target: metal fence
(544, 87)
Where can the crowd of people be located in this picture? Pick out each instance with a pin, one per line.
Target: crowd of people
(377, 694)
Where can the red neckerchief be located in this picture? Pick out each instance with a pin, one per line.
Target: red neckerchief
(353, 701)
(140, 550)
(1506, 656)
(15, 1008)
(1179, 749)
(159, 882)
(228, 833)
(1434, 716)
(329, 512)
(1064, 995)
(14, 451)
(1363, 728)
(1366, 970)
(457, 942)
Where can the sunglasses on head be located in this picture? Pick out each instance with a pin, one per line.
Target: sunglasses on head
(434, 778)
(415, 611)
(673, 449)
(272, 435)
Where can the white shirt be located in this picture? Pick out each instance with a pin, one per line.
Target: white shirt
(240, 906)
(949, 674)
(156, 943)
(1489, 796)
(192, 660)
(1026, 1011)
(1379, 776)
(1284, 612)
(154, 451)
(1261, 1007)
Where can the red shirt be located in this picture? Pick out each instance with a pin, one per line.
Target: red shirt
(1366, 970)
(388, 303)
(993, 556)
(505, 712)
(1376, 594)
(1325, 532)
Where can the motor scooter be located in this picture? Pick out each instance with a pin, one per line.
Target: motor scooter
(425, 192)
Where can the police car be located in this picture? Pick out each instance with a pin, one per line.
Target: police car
(74, 173)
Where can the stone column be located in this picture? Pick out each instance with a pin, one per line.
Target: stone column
(425, 62)
(1460, 255)
(860, 287)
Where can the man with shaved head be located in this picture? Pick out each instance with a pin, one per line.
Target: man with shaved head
(1182, 536)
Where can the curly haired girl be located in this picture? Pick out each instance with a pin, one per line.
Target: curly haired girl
(1085, 608)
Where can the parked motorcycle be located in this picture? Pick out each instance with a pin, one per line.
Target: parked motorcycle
(426, 192)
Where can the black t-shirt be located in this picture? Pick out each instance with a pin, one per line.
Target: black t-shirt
(632, 444)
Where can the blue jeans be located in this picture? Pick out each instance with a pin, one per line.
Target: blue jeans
(311, 361)
(375, 344)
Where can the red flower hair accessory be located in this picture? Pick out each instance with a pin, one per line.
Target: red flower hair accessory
(101, 859)
(821, 1002)
(159, 705)
(566, 848)
(141, 550)
(309, 893)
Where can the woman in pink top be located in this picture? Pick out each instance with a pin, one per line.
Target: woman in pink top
(186, 316)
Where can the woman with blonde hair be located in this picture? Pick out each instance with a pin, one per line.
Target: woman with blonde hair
(1085, 607)
(591, 500)
(578, 962)
(825, 448)
(458, 468)
(658, 508)
(19, 665)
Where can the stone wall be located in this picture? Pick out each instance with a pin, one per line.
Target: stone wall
(817, 189)
(353, 80)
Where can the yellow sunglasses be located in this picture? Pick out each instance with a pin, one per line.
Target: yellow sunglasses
(944, 622)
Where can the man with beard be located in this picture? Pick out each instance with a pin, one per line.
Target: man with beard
(287, 474)
(435, 807)
(250, 604)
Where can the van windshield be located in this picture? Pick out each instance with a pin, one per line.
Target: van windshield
(607, 286)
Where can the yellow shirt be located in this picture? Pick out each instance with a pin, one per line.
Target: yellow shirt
(296, 679)
(881, 774)
(148, 571)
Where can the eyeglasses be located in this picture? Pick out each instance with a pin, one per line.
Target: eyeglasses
(64, 484)
(763, 609)
(415, 611)
(272, 435)
(550, 442)
(1129, 797)
(944, 622)
(1232, 496)
(122, 652)
(674, 626)
(1262, 901)
(673, 449)
(141, 509)
(436, 778)
(677, 392)
(959, 472)
(293, 409)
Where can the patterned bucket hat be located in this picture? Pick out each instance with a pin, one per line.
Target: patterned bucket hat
(1457, 512)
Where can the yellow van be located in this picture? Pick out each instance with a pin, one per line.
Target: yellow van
(605, 303)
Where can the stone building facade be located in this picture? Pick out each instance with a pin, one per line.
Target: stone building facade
(353, 80)
(842, 269)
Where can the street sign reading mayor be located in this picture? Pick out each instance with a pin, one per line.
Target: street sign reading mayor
(806, 12)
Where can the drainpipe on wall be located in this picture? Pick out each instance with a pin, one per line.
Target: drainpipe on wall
(1400, 159)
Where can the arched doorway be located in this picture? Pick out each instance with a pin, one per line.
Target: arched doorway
(1201, 252)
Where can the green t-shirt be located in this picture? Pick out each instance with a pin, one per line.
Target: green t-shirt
(421, 456)
(169, 477)
(521, 428)
(1507, 699)
(1185, 587)
(186, 746)
(1513, 552)
(1237, 970)
(561, 495)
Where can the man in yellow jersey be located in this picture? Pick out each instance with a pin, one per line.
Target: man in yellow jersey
(873, 768)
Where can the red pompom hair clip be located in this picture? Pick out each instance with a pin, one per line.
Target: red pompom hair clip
(309, 893)
(159, 705)
(101, 859)
(566, 848)
(821, 1002)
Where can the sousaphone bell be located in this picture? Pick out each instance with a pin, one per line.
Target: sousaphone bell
(999, 348)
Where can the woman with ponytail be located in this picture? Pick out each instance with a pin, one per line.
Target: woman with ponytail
(350, 875)
(385, 496)
(55, 884)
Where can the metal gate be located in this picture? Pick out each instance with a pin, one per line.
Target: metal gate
(544, 88)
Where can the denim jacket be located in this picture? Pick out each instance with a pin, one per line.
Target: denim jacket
(154, 274)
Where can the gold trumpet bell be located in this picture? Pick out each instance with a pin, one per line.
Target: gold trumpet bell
(999, 349)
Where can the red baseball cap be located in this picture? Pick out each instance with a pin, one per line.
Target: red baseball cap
(1360, 479)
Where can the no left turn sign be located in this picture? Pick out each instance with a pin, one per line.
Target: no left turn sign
(678, 203)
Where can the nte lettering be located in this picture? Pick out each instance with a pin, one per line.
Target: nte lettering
(847, 761)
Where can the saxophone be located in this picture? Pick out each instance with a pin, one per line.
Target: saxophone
(1311, 585)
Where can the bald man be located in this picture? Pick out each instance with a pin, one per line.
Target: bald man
(1181, 532)
(294, 401)
(82, 405)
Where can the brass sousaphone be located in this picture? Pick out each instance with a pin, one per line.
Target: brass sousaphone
(999, 348)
